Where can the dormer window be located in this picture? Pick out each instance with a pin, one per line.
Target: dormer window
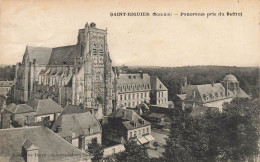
(133, 124)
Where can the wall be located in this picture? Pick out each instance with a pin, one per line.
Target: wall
(218, 103)
(138, 135)
(134, 99)
(38, 118)
(113, 150)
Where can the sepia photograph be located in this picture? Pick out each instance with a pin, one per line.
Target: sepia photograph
(129, 81)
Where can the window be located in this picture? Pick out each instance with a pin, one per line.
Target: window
(131, 134)
(125, 96)
(129, 104)
(133, 103)
(143, 131)
(139, 132)
(129, 96)
(137, 95)
(159, 94)
(141, 95)
(147, 130)
(162, 94)
(121, 98)
(144, 94)
(133, 96)
(135, 134)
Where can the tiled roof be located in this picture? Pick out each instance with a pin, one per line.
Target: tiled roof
(12, 141)
(18, 109)
(204, 89)
(41, 54)
(157, 84)
(73, 109)
(44, 106)
(77, 124)
(63, 55)
(127, 117)
(128, 79)
(242, 94)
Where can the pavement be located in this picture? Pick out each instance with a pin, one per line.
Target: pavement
(159, 138)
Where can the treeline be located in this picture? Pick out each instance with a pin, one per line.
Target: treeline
(7, 73)
(173, 76)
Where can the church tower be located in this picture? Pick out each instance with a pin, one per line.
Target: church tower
(92, 47)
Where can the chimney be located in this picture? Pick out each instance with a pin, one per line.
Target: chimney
(31, 151)
(5, 120)
(82, 143)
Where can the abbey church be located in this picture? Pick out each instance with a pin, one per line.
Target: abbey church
(82, 74)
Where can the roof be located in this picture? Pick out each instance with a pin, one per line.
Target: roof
(242, 94)
(6, 83)
(18, 109)
(156, 115)
(201, 110)
(14, 139)
(63, 55)
(204, 89)
(129, 116)
(75, 125)
(74, 109)
(40, 54)
(230, 77)
(128, 79)
(182, 96)
(157, 84)
(44, 106)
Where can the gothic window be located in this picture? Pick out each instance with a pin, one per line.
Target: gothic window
(101, 48)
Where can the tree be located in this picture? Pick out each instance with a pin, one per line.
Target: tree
(241, 118)
(96, 150)
(133, 152)
(228, 136)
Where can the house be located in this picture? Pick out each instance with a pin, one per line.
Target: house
(22, 114)
(128, 125)
(34, 111)
(157, 118)
(45, 108)
(78, 128)
(37, 144)
(136, 88)
(211, 95)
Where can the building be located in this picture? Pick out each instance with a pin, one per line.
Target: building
(78, 128)
(34, 111)
(127, 124)
(133, 89)
(37, 144)
(76, 74)
(211, 95)
(5, 87)
(82, 74)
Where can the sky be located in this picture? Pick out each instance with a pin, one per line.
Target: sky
(168, 41)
